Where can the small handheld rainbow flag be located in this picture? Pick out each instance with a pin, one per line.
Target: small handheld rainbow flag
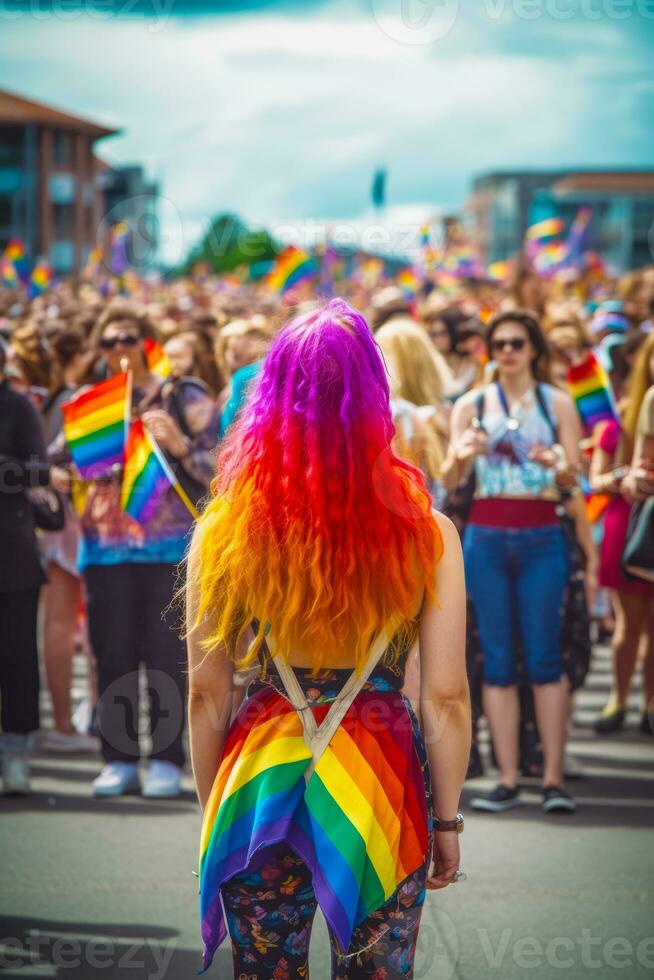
(408, 281)
(40, 278)
(15, 253)
(8, 273)
(146, 475)
(292, 266)
(95, 425)
(155, 355)
(591, 389)
(499, 271)
(542, 231)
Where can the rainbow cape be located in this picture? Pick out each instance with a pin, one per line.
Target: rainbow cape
(590, 387)
(291, 267)
(359, 823)
(155, 355)
(146, 474)
(95, 426)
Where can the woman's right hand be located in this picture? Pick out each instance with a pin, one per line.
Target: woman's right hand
(60, 478)
(472, 443)
(446, 855)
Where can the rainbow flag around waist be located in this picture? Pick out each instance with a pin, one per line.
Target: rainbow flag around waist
(590, 387)
(359, 823)
(95, 426)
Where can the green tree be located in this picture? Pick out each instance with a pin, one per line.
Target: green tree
(229, 243)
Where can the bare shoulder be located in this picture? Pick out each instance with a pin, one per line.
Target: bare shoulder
(449, 533)
(467, 401)
(464, 409)
(561, 400)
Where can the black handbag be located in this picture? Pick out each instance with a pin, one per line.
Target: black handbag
(48, 508)
(638, 553)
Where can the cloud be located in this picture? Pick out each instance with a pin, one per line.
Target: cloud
(283, 116)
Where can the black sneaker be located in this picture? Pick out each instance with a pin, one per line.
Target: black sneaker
(500, 799)
(610, 721)
(556, 800)
(645, 728)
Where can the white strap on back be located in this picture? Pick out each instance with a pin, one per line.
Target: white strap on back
(318, 738)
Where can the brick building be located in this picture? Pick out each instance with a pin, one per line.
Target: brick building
(50, 194)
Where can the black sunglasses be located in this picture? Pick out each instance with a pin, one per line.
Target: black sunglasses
(516, 343)
(126, 339)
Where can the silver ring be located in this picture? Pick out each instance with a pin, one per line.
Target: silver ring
(459, 875)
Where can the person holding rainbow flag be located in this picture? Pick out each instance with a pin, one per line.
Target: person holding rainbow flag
(142, 443)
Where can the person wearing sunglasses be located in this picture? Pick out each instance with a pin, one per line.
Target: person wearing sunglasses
(130, 567)
(518, 439)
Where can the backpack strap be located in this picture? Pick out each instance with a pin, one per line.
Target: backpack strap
(541, 400)
(316, 737)
(480, 406)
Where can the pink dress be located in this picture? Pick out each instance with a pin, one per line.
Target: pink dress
(616, 520)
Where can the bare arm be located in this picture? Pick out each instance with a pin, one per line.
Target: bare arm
(210, 691)
(465, 444)
(570, 434)
(445, 697)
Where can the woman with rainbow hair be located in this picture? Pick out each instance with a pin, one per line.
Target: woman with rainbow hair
(317, 564)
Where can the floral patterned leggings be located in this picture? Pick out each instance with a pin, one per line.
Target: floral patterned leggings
(270, 913)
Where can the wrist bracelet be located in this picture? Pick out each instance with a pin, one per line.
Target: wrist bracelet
(454, 825)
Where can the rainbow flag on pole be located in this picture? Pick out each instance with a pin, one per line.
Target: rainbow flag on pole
(95, 426)
(590, 387)
(155, 355)
(544, 230)
(40, 278)
(146, 476)
(8, 273)
(15, 254)
(292, 266)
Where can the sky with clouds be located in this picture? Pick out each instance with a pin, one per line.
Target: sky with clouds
(281, 111)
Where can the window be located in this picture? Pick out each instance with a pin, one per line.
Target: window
(12, 146)
(62, 256)
(62, 188)
(5, 211)
(63, 217)
(62, 147)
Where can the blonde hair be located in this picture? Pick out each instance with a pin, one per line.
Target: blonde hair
(257, 328)
(417, 372)
(420, 375)
(642, 378)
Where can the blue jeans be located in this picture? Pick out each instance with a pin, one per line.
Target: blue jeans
(516, 579)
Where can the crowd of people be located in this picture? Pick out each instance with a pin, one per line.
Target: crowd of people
(481, 404)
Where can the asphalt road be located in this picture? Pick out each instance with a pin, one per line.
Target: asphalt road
(102, 889)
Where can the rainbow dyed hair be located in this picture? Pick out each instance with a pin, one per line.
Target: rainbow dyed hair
(316, 526)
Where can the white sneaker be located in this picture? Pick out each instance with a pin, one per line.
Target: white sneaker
(54, 741)
(15, 764)
(116, 779)
(163, 781)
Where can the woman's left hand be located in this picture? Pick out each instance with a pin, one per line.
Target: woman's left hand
(166, 432)
(590, 586)
(544, 455)
(446, 855)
